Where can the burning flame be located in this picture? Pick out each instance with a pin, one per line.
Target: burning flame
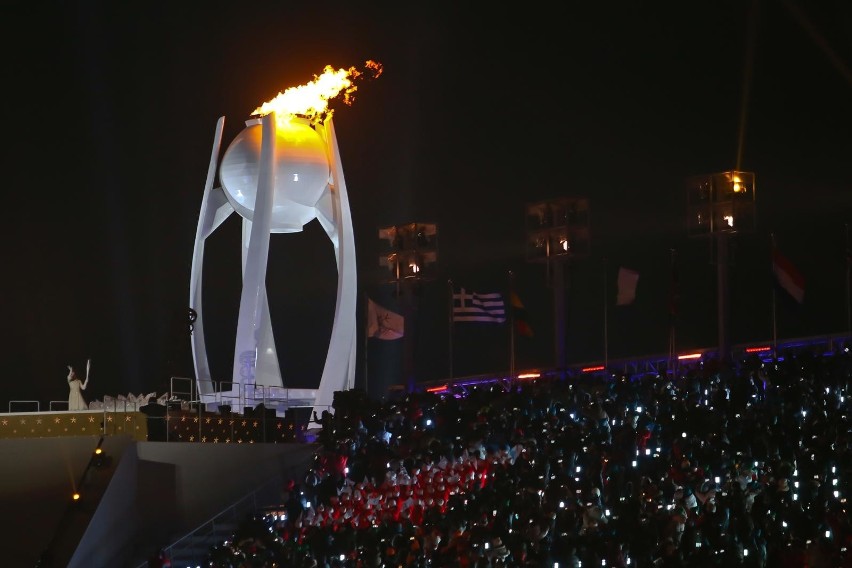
(311, 100)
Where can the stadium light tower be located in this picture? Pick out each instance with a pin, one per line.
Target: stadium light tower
(720, 206)
(409, 255)
(558, 232)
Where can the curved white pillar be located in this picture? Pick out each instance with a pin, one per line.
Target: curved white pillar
(254, 330)
(335, 216)
(215, 208)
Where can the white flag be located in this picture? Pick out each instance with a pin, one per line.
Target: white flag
(383, 323)
(627, 280)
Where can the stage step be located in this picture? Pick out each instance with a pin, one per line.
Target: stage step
(192, 551)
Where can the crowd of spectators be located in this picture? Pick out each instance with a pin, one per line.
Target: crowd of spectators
(740, 466)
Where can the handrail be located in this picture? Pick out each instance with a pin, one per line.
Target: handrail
(831, 341)
(237, 510)
(37, 403)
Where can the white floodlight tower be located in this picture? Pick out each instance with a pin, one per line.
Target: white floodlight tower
(278, 176)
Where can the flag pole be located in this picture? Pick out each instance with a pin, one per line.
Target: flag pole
(511, 328)
(605, 315)
(673, 291)
(848, 275)
(366, 345)
(450, 333)
(774, 302)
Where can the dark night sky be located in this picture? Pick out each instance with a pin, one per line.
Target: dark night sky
(110, 112)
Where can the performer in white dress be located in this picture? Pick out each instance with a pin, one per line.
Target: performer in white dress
(76, 388)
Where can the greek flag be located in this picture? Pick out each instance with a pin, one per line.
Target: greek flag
(482, 308)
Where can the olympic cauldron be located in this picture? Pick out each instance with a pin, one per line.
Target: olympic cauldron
(278, 174)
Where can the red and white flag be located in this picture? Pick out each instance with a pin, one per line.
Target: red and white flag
(383, 323)
(788, 276)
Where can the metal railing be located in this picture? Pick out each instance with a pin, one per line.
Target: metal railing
(660, 364)
(185, 392)
(235, 395)
(193, 548)
(239, 396)
(37, 404)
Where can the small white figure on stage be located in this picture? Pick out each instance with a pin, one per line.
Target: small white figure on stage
(76, 388)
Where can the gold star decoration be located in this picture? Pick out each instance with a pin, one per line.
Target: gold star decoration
(109, 418)
(73, 419)
(192, 438)
(195, 419)
(221, 421)
(92, 419)
(254, 423)
(215, 440)
(23, 420)
(128, 418)
(203, 439)
(208, 420)
(6, 422)
(245, 422)
(38, 420)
